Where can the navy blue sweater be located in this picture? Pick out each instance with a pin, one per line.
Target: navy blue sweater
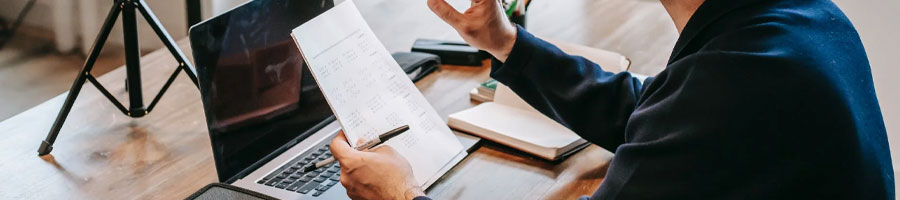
(761, 99)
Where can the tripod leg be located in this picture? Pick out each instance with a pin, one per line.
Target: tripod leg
(167, 40)
(132, 60)
(47, 144)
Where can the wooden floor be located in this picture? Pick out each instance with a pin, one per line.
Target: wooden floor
(31, 71)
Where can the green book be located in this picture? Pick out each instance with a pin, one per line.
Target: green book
(490, 84)
(485, 91)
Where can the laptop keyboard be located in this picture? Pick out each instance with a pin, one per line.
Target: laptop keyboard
(291, 178)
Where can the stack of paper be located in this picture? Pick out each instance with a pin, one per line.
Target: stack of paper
(370, 94)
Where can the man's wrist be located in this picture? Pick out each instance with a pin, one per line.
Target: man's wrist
(413, 192)
(509, 42)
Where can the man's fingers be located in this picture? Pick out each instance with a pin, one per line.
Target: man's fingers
(340, 148)
(480, 2)
(485, 4)
(445, 12)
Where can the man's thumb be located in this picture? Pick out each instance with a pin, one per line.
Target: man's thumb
(340, 148)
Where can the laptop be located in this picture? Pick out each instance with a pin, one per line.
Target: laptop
(265, 113)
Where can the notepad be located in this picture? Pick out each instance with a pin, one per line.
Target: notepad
(369, 93)
(510, 121)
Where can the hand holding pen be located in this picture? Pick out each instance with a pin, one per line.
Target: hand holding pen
(384, 137)
(361, 170)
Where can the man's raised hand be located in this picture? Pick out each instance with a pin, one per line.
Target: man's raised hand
(484, 25)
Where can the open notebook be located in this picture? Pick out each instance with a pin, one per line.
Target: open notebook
(370, 94)
(512, 122)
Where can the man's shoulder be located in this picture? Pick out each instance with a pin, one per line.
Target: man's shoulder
(783, 47)
(806, 35)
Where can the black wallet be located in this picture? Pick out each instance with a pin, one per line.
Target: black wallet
(221, 191)
(451, 53)
(417, 65)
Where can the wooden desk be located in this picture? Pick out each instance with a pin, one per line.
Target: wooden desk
(102, 154)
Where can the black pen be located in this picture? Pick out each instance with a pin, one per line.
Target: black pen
(384, 137)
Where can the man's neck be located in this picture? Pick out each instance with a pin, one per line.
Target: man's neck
(681, 11)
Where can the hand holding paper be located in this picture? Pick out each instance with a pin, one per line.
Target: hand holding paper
(370, 94)
(381, 173)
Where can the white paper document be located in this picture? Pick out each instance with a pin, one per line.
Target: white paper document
(370, 94)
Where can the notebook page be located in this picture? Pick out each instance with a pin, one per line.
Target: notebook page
(503, 95)
(369, 92)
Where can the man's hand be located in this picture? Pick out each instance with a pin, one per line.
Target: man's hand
(378, 174)
(483, 25)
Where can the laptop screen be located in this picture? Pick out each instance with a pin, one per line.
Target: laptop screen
(257, 92)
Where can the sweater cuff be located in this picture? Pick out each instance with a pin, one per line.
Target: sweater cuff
(519, 56)
(421, 198)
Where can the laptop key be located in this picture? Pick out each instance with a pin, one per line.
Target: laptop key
(272, 182)
(327, 174)
(336, 177)
(308, 187)
(282, 185)
(305, 179)
(322, 187)
(320, 179)
(320, 170)
(294, 188)
(332, 183)
(303, 190)
(270, 176)
(317, 193)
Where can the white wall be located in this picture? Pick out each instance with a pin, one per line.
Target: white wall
(878, 23)
(215, 7)
(40, 14)
(88, 15)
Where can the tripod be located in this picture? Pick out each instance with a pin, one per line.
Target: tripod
(136, 108)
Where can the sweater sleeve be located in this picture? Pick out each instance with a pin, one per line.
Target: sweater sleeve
(572, 90)
(421, 198)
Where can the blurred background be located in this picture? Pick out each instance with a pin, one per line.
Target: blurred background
(40, 58)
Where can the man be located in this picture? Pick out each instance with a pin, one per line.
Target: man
(761, 99)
